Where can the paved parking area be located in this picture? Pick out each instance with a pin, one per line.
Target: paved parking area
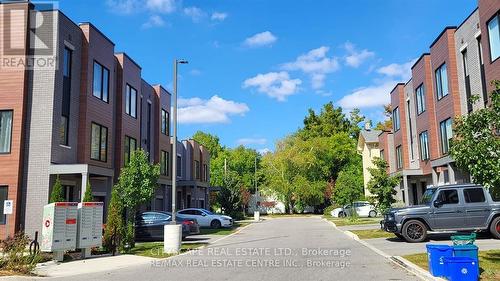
(397, 247)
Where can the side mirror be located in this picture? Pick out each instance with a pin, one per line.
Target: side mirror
(203, 214)
(438, 204)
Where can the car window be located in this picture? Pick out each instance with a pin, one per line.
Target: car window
(161, 216)
(449, 196)
(495, 195)
(474, 195)
(427, 196)
(184, 212)
(147, 217)
(197, 212)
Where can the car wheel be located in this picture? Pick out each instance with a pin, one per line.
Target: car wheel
(342, 215)
(372, 214)
(215, 224)
(414, 231)
(495, 227)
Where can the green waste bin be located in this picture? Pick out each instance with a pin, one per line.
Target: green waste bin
(463, 238)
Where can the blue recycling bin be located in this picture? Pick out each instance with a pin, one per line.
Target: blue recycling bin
(470, 251)
(436, 254)
(461, 269)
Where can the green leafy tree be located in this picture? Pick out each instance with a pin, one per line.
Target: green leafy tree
(87, 197)
(229, 197)
(355, 118)
(476, 143)
(329, 121)
(136, 185)
(210, 142)
(349, 185)
(386, 125)
(57, 194)
(382, 186)
(114, 223)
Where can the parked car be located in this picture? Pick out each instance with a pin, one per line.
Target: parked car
(362, 208)
(448, 208)
(150, 225)
(206, 218)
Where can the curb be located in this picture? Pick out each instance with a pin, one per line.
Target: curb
(402, 262)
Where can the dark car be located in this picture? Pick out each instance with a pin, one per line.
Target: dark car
(463, 207)
(150, 225)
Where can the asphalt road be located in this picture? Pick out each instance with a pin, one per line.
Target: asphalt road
(275, 249)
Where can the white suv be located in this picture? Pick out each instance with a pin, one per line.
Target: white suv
(206, 218)
(362, 208)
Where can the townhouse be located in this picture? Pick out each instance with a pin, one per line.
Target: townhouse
(461, 63)
(77, 112)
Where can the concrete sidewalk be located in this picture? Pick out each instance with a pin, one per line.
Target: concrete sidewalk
(98, 264)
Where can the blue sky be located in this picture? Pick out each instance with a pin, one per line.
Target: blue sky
(256, 66)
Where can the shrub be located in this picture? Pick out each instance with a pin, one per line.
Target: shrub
(87, 197)
(57, 194)
(114, 223)
(15, 258)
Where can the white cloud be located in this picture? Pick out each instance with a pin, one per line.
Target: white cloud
(161, 6)
(371, 96)
(276, 85)
(247, 141)
(213, 110)
(195, 72)
(133, 6)
(355, 57)
(260, 39)
(263, 151)
(402, 71)
(154, 21)
(316, 63)
(195, 13)
(218, 16)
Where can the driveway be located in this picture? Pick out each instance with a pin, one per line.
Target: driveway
(275, 249)
(397, 247)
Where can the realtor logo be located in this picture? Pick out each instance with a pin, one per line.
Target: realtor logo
(28, 33)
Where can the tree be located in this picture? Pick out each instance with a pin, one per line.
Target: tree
(330, 120)
(210, 142)
(476, 143)
(349, 185)
(229, 197)
(381, 185)
(386, 125)
(136, 186)
(114, 222)
(355, 118)
(57, 194)
(87, 197)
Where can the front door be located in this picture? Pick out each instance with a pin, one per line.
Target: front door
(477, 209)
(450, 215)
(414, 193)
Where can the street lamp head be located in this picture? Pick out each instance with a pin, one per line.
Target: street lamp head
(182, 61)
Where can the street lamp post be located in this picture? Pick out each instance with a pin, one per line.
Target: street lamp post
(173, 232)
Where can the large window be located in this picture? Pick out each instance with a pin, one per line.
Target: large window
(165, 122)
(66, 97)
(179, 166)
(396, 123)
(3, 196)
(424, 145)
(420, 98)
(465, 63)
(446, 134)
(164, 163)
(101, 82)
(441, 76)
(399, 157)
(494, 36)
(5, 130)
(131, 101)
(99, 143)
(130, 147)
(197, 169)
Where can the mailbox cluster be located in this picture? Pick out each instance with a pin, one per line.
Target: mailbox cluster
(71, 225)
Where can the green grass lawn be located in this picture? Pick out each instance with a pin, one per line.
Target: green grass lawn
(372, 233)
(223, 231)
(348, 221)
(155, 249)
(489, 263)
